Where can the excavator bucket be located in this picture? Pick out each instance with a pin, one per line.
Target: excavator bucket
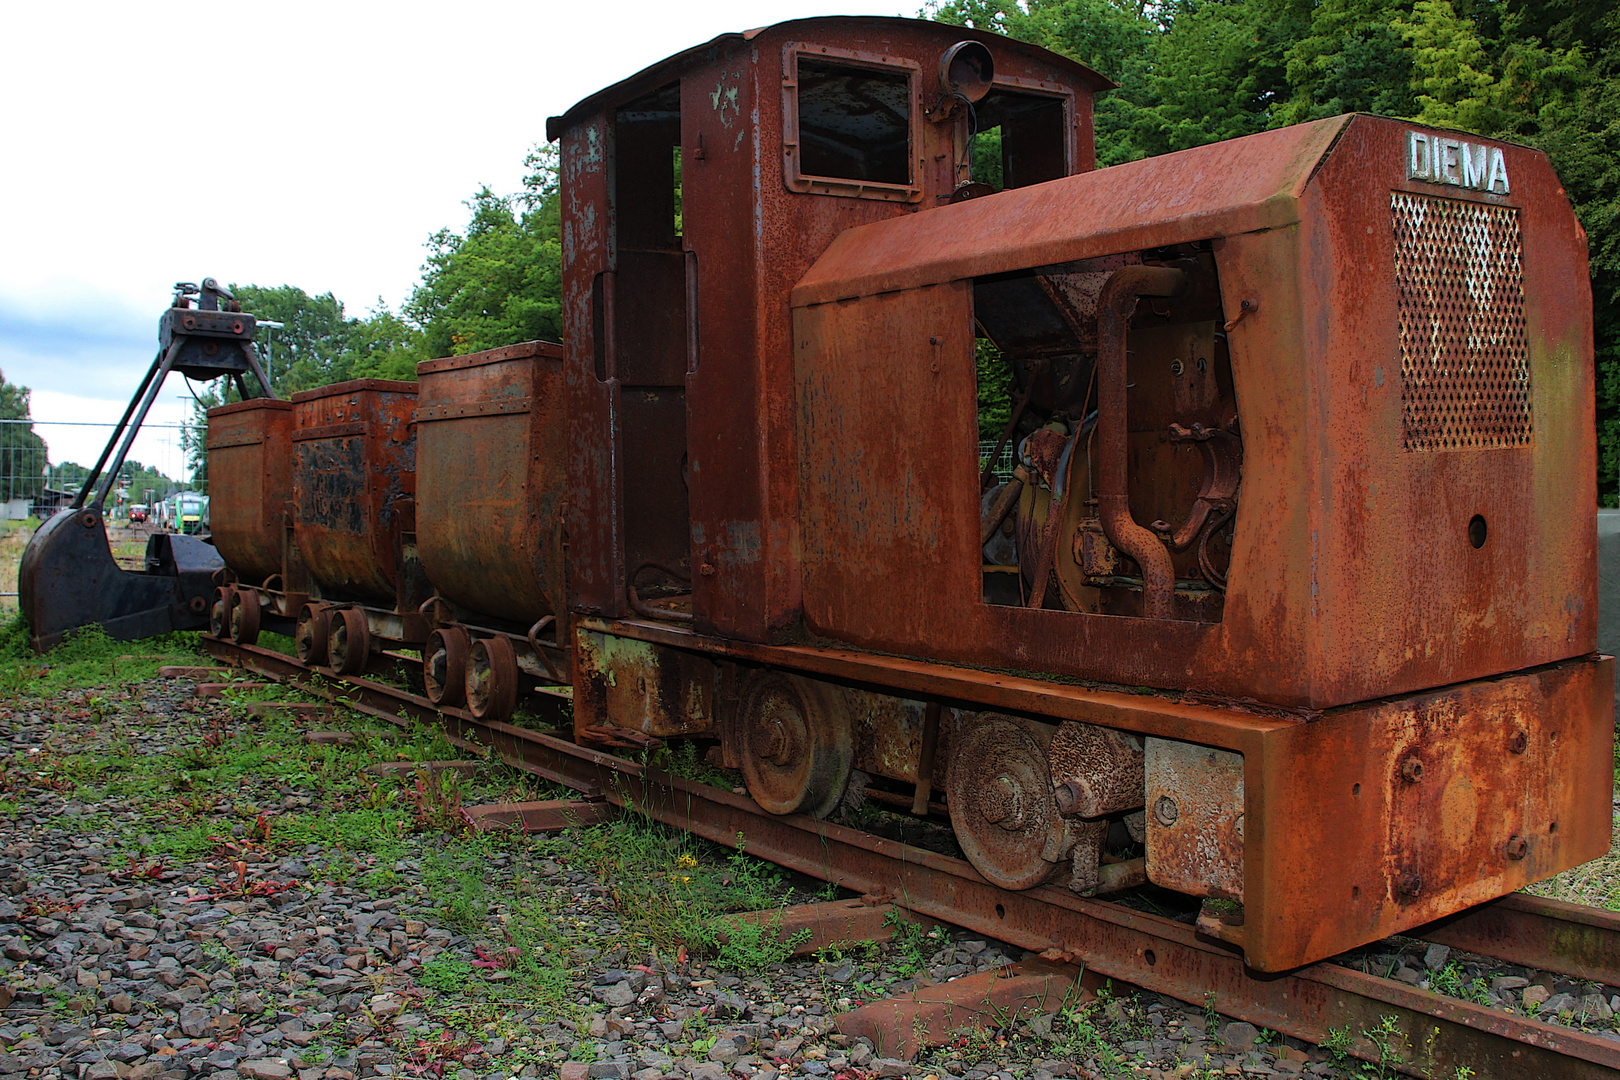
(68, 577)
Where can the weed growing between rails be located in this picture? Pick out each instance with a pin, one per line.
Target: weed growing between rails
(673, 892)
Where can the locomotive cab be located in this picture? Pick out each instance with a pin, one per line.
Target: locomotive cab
(696, 193)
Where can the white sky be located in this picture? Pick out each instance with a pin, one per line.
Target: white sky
(302, 143)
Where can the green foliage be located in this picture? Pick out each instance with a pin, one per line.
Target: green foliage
(501, 282)
(913, 941)
(673, 890)
(87, 658)
(1453, 981)
(22, 453)
(995, 390)
(1450, 69)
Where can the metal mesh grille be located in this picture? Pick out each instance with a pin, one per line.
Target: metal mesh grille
(1465, 365)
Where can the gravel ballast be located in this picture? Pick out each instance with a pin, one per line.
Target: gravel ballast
(188, 891)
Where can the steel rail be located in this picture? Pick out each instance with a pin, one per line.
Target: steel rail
(1416, 1031)
(1549, 935)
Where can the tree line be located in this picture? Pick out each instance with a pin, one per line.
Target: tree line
(1541, 72)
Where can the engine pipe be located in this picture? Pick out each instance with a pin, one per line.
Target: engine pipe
(1115, 305)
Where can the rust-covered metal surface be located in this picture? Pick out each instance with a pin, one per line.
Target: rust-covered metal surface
(747, 237)
(1386, 816)
(354, 485)
(642, 687)
(1414, 392)
(1326, 793)
(491, 478)
(1195, 818)
(249, 448)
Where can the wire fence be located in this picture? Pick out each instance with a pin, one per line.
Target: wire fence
(43, 464)
(1004, 463)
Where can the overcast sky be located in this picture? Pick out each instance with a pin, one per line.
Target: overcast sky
(302, 143)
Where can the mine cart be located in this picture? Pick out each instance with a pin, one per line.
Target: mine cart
(354, 493)
(491, 479)
(249, 465)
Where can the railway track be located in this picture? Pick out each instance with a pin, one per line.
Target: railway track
(1437, 1034)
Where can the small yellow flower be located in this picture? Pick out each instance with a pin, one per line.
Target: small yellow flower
(686, 862)
(686, 879)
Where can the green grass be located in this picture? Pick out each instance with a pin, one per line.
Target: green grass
(88, 660)
(673, 890)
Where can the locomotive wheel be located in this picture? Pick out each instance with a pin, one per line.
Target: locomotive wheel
(310, 635)
(1000, 796)
(244, 617)
(219, 613)
(348, 642)
(444, 665)
(492, 678)
(797, 745)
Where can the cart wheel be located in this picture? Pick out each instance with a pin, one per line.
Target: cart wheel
(444, 665)
(219, 614)
(492, 679)
(310, 636)
(999, 790)
(797, 746)
(244, 618)
(348, 643)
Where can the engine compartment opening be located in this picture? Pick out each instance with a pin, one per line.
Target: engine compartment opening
(1110, 449)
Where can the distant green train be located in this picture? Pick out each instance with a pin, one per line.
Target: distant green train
(184, 512)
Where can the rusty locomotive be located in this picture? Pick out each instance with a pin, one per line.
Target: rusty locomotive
(1291, 594)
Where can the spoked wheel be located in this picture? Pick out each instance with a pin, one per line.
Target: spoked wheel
(1000, 795)
(797, 745)
(314, 621)
(219, 614)
(444, 665)
(492, 678)
(348, 642)
(244, 617)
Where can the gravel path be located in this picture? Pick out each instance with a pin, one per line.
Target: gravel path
(188, 892)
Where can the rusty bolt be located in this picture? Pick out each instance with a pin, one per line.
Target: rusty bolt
(1068, 797)
(188, 322)
(1409, 884)
(1004, 804)
(236, 327)
(1517, 848)
(773, 743)
(1411, 770)
(1519, 743)
(707, 570)
(1165, 811)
